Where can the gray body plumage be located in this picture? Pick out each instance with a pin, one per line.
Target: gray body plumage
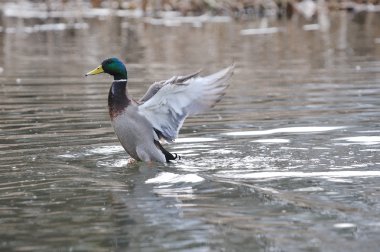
(135, 134)
(160, 113)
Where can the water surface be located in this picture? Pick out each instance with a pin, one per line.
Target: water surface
(287, 161)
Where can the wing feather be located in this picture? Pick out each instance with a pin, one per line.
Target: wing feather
(155, 87)
(180, 97)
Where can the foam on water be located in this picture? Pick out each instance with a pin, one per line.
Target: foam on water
(272, 141)
(195, 139)
(172, 178)
(365, 140)
(277, 175)
(295, 130)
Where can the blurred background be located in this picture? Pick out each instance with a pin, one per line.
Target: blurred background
(129, 29)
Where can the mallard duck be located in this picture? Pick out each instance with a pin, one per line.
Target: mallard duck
(141, 125)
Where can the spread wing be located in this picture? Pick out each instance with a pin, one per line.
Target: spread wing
(167, 103)
(153, 89)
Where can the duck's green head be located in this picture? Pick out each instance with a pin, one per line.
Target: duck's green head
(112, 66)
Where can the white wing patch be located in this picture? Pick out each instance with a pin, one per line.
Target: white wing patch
(170, 106)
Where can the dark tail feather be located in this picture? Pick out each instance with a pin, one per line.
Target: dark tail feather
(167, 154)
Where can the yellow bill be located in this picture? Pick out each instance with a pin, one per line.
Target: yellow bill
(97, 70)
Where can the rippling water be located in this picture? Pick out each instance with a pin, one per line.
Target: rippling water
(288, 161)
